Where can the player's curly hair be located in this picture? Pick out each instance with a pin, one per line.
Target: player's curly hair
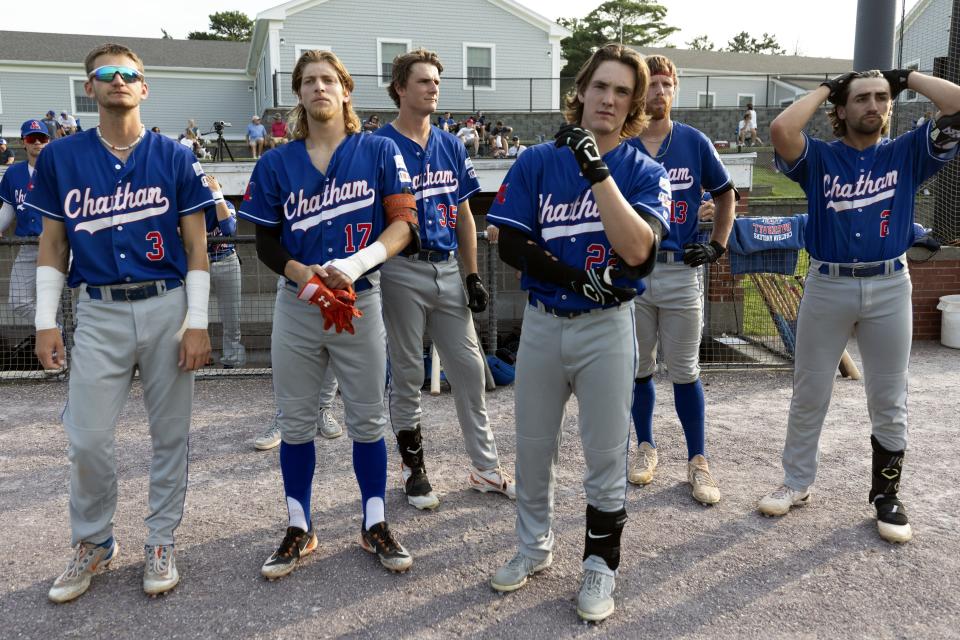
(840, 126)
(637, 119)
(298, 115)
(111, 49)
(403, 64)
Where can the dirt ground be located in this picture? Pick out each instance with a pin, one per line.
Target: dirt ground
(688, 571)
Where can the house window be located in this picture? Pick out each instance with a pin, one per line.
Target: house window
(743, 99)
(479, 61)
(81, 103)
(300, 48)
(706, 100)
(908, 95)
(387, 50)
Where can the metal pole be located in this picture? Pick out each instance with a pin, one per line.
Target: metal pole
(531, 94)
(492, 276)
(873, 46)
(707, 98)
(473, 89)
(766, 102)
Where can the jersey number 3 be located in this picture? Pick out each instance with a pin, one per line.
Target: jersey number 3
(156, 253)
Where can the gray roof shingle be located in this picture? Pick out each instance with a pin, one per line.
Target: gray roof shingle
(155, 52)
(750, 62)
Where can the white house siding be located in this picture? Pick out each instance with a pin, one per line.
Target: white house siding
(727, 90)
(264, 83)
(28, 95)
(352, 32)
(927, 37)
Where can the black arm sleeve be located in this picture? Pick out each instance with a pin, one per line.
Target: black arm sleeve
(643, 270)
(716, 193)
(518, 251)
(269, 249)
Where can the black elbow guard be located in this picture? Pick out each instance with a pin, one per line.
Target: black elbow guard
(413, 248)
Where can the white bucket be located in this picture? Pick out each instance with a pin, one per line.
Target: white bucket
(950, 322)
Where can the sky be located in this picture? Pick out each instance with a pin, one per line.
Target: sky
(820, 28)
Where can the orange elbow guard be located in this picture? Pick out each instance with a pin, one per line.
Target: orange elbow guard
(401, 206)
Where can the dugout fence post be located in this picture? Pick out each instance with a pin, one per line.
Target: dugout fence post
(492, 321)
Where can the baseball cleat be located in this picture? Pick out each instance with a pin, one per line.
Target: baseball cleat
(160, 569)
(269, 439)
(643, 465)
(782, 499)
(87, 561)
(892, 523)
(329, 428)
(379, 540)
(515, 573)
(702, 485)
(595, 601)
(296, 544)
(418, 489)
(492, 481)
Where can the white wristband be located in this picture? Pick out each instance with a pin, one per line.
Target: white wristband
(49, 285)
(360, 262)
(217, 196)
(198, 298)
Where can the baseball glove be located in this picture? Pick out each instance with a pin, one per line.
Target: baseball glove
(336, 305)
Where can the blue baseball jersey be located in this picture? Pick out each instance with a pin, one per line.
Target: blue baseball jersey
(545, 197)
(693, 166)
(442, 177)
(324, 217)
(861, 202)
(220, 228)
(122, 218)
(14, 187)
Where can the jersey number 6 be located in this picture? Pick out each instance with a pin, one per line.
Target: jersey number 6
(156, 253)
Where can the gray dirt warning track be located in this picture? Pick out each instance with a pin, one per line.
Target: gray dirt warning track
(687, 571)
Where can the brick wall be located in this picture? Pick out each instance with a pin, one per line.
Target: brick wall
(939, 276)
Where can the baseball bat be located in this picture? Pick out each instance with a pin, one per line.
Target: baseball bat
(848, 369)
(434, 371)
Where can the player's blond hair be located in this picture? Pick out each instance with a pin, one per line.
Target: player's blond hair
(840, 126)
(402, 66)
(298, 115)
(637, 118)
(111, 49)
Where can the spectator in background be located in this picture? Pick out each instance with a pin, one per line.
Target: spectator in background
(753, 118)
(155, 129)
(446, 122)
(221, 221)
(481, 122)
(6, 155)
(192, 128)
(192, 142)
(747, 131)
(499, 135)
(515, 148)
(256, 136)
(53, 127)
(469, 137)
(926, 117)
(278, 131)
(372, 124)
(68, 123)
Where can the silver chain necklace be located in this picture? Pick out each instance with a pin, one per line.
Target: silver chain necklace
(110, 145)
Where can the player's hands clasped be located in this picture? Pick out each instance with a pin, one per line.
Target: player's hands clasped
(477, 296)
(897, 79)
(837, 84)
(597, 285)
(700, 253)
(585, 150)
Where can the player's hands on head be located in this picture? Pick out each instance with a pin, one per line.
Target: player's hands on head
(700, 253)
(476, 293)
(897, 79)
(50, 349)
(597, 284)
(837, 84)
(585, 150)
(194, 349)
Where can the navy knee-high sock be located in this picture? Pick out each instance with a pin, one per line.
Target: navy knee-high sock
(644, 397)
(370, 467)
(297, 462)
(688, 399)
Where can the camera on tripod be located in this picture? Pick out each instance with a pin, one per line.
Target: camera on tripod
(218, 126)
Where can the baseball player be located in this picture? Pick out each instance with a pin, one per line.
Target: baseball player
(581, 220)
(670, 311)
(424, 290)
(129, 206)
(330, 207)
(860, 194)
(14, 186)
(221, 221)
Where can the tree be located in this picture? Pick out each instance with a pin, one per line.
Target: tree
(632, 22)
(226, 25)
(166, 36)
(743, 42)
(701, 43)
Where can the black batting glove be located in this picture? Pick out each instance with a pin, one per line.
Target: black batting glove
(597, 285)
(897, 79)
(836, 84)
(477, 296)
(945, 133)
(700, 253)
(585, 150)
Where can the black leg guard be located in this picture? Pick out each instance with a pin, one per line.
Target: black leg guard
(410, 443)
(887, 467)
(603, 535)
